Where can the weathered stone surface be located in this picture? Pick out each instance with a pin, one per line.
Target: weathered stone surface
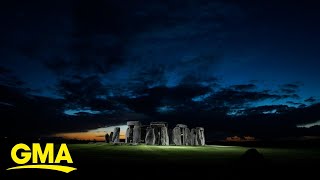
(133, 123)
(136, 134)
(133, 134)
(150, 136)
(181, 126)
(158, 124)
(176, 136)
(193, 135)
(164, 136)
(156, 131)
(187, 136)
(200, 140)
(127, 135)
(116, 135)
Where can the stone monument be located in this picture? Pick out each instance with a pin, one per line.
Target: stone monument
(133, 133)
(116, 135)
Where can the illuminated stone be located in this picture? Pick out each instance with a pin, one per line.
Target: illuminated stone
(116, 135)
(136, 134)
(150, 136)
(187, 137)
(193, 135)
(133, 133)
(161, 133)
(176, 136)
(200, 139)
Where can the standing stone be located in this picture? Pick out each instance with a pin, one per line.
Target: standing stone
(202, 137)
(161, 133)
(136, 134)
(157, 135)
(164, 136)
(107, 138)
(111, 137)
(116, 135)
(176, 136)
(170, 136)
(193, 137)
(200, 140)
(127, 135)
(150, 136)
(187, 136)
(133, 134)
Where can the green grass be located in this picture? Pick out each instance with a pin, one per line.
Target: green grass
(101, 152)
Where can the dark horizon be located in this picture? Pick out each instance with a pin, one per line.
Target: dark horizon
(235, 68)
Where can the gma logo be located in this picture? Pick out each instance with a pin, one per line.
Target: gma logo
(39, 157)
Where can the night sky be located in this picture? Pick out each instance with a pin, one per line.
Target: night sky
(236, 68)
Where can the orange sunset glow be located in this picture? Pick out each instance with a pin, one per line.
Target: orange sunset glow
(94, 134)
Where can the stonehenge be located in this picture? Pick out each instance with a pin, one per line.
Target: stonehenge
(158, 133)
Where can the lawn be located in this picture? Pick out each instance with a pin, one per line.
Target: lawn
(209, 153)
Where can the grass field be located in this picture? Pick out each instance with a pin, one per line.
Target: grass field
(219, 160)
(209, 153)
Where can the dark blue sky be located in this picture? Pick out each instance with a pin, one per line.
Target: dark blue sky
(142, 59)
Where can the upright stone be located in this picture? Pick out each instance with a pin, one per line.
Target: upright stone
(170, 136)
(176, 136)
(187, 137)
(203, 140)
(161, 133)
(127, 135)
(193, 136)
(136, 134)
(200, 139)
(111, 137)
(164, 136)
(116, 135)
(150, 136)
(107, 138)
(133, 134)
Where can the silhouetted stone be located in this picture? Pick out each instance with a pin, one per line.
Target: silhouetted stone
(116, 135)
(150, 136)
(127, 139)
(111, 137)
(107, 140)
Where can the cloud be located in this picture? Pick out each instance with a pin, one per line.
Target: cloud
(310, 100)
(244, 87)
(231, 97)
(292, 86)
(8, 79)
